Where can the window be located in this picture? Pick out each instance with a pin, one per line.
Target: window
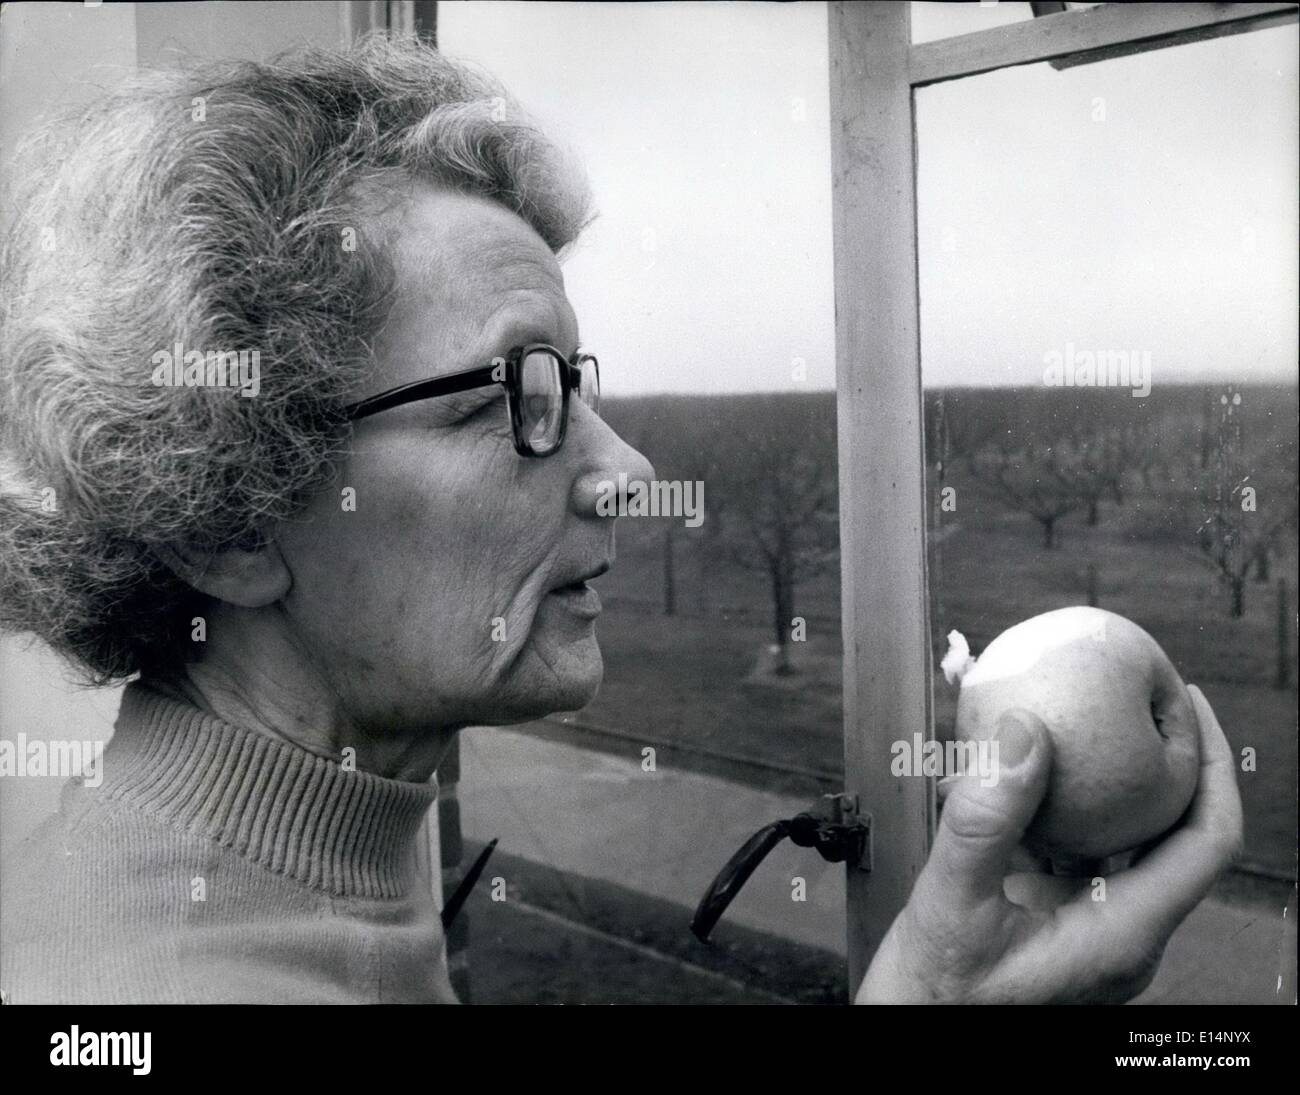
(883, 348)
(705, 286)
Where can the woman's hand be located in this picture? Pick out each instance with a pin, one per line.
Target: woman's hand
(961, 938)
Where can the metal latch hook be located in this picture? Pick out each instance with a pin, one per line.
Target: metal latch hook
(838, 831)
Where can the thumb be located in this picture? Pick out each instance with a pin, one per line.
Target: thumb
(985, 816)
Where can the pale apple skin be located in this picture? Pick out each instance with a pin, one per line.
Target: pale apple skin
(1100, 684)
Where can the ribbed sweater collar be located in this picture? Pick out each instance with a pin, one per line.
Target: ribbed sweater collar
(294, 813)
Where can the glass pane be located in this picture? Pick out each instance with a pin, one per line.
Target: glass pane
(1108, 278)
(705, 289)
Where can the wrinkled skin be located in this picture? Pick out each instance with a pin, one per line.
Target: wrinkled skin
(430, 607)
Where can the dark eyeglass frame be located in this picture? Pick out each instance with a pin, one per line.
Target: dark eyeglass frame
(486, 376)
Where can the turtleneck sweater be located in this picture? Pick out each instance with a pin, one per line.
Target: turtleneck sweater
(216, 864)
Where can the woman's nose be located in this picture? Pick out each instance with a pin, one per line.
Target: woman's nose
(605, 456)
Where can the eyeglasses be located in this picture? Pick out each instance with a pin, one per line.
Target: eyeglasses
(538, 379)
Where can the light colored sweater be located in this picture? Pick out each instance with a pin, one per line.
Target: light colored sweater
(215, 864)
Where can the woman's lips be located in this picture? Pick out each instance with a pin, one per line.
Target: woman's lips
(579, 598)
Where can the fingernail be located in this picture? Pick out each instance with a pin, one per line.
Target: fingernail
(1015, 741)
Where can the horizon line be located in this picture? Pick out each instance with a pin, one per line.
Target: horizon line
(1182, 384)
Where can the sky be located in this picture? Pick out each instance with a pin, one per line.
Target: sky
(1144, 203)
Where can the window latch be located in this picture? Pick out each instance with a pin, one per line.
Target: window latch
(837, 829)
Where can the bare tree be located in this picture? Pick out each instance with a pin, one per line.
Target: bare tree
(1234, 537)
(1248, 502)
(686, 460)
(670, 570)
(1097, 462)
(782, 520)
(1029, 477)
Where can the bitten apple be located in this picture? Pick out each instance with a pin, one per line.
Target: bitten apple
(1126, 747)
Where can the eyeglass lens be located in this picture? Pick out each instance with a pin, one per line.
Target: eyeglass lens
(542, 400)
(542, 396)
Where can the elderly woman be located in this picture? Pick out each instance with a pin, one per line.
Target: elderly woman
(297, 433)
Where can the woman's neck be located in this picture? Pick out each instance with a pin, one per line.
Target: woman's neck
(262, 682)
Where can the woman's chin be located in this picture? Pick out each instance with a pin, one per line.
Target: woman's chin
(563, 678)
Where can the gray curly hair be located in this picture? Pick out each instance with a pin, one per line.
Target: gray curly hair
(211, 208)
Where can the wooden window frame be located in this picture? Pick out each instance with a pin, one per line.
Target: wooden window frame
(874, 71)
